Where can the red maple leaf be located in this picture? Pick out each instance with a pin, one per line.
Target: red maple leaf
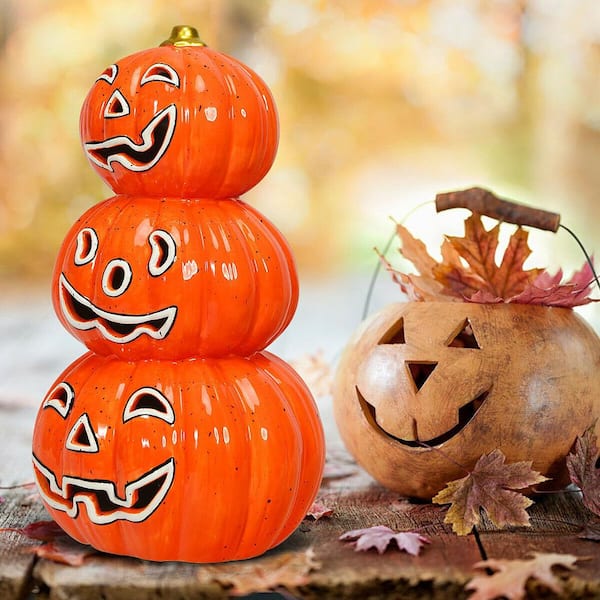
(380, 536)
(57, 546)
(584, 468)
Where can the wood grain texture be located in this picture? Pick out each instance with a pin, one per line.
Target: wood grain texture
(440, 572)
(443, 567)
(484, 202)
(556, 521)
(18, 508)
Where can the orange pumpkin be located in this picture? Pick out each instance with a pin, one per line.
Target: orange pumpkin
(197, 460)
(425, 388)
(144, 277)
(180, 120)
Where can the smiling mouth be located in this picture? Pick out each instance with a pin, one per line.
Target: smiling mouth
(142, 496)
(466, 413)
(156, 137)
(82, 314)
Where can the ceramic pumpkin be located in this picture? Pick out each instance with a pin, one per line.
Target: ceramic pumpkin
(196, 460)
(143, 277)
(465, 379)
(180, 120)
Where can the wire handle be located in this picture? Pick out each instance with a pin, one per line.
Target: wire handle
(484, 202)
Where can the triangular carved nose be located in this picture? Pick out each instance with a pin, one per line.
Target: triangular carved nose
(116, 106)
(82, 438)
(420, 372)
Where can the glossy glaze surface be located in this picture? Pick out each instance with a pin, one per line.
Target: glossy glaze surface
(196, 460)
(180, 121)
(163, 278)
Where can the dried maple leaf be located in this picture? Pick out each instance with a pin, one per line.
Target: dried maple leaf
(380, 536)
(315, 370)
(45, 531)
(549, 290)
(584, 468)
(338, 465)
(469, 271)
(65, 551)
(279, 570)
(58, 546)
(489, 486)
(318, 510)
(511, 576)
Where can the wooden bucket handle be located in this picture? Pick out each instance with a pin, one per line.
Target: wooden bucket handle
(482, 201)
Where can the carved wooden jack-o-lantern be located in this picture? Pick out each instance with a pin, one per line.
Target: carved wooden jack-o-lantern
(193, 460)
(424, 388)
(180, 120)
(171, 278)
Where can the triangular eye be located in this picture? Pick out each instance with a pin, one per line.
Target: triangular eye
(465, 337)
(160, 72)
(148, 402)
(60, 398)
(81, 438)
(116, 106)
(163, 254)
(109, 74)
(395, 334)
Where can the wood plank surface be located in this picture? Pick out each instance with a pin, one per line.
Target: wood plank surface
(312, 563)
(19, 507)
(556, 522)
(444, 567)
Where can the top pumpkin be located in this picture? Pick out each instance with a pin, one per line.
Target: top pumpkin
(180, 120)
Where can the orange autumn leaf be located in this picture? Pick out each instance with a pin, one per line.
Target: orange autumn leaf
(478, 249)
(509, 577)
(277, 571)
(492, 486)
(469, 271)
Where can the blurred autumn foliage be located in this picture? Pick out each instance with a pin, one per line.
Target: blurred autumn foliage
(382, 103)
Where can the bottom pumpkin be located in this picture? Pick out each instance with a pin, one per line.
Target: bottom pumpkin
(199, 460)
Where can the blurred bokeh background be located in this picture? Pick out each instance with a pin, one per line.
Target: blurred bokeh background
(382, 104)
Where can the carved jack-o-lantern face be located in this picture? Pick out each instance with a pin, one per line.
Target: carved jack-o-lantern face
(177, 121)
(132, 457)
(425, 387)
(141, 276)
(401, 376)
(87, 433)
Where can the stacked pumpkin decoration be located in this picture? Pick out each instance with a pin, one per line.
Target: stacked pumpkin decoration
(426, 387)
(177, 437)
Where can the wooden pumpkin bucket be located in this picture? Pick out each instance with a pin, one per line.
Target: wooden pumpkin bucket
(424, 388)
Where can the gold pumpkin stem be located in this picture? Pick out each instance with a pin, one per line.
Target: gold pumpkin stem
(183, 35)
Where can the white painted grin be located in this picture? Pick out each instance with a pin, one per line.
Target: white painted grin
(156, 137)
(82, 314)
(142, 496)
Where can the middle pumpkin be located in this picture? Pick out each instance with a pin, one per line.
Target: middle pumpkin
(138, 277)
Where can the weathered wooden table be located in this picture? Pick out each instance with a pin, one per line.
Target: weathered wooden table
(312, 563)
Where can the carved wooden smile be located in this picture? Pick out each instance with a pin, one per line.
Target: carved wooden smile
(142, 496)
(156, 137)
(466, 413)
(81, 313)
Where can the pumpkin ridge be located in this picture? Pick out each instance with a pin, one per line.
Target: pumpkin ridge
(253, 298)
